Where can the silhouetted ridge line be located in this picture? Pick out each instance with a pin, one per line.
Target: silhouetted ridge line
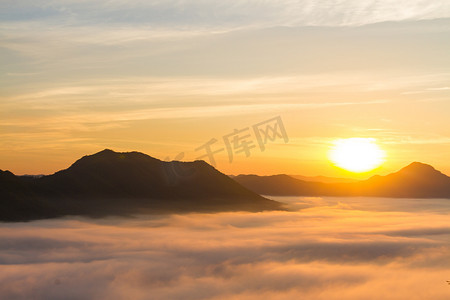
(111, 182)
(417, 180)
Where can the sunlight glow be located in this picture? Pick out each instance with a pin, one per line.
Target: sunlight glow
(356, 154)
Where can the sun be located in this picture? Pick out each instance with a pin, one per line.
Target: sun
(356, 154)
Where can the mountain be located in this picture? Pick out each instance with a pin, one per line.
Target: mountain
(280, 185)
(323, 179)
(416, 180)
(111, 183)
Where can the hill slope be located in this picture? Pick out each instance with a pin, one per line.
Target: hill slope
(109, 182)
(417, 180)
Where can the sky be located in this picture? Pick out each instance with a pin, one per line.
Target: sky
(167, 77)
(324, 248)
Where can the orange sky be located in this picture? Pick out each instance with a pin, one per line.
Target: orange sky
(74, 86)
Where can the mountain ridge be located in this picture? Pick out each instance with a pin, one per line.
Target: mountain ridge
(416, 180)
(111, 183)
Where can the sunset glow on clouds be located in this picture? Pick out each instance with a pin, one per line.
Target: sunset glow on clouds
(332, 248)
(80, 76)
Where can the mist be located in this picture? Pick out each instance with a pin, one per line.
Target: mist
(323, 248)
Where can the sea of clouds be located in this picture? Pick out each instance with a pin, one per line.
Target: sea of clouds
(324, 248)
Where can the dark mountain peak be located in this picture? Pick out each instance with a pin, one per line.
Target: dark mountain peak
(110, 157)
(110, 182)
(106, 152)
(200, 163)
(418, 165)
(7, 179)
(137, 175)
(6, 173)
(418, 169)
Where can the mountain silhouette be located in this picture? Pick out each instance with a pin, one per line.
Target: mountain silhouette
(416, 180)
(111, 183)
(280, 185)
(324, 179)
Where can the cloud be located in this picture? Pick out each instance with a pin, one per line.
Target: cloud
(324, 251)
(113, 103)
(107, 73)
(240, 13)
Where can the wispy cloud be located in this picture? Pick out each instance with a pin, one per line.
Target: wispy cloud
(218, 14)
(98, 120)
(91, 69)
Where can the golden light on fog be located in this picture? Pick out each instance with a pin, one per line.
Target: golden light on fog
(356, 154)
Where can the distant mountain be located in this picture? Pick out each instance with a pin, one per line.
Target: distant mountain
(280, 185)
(417, 180)
(114, 183)
(323, 179)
